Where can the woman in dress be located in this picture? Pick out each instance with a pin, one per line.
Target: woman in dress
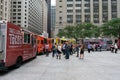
(82, 52)
(59, 50)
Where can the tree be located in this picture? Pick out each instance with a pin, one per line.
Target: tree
(80, 31)
(90, 30)
(112, 28)
(61, 33)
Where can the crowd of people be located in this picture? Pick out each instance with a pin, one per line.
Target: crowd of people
(68, 49)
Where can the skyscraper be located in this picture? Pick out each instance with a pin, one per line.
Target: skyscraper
(5, 10)
(70, 12)
(44, 15)
(27, 14)
(49, 17)
(53, 17)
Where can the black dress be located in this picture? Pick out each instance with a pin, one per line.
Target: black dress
(82, 51)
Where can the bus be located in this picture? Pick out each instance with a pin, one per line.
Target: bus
(16, 45)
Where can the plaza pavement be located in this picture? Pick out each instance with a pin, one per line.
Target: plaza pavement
(95, 66)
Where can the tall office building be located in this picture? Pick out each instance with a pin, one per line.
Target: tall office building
(5, 10)
(44, 15)
(70, 12)
(53, 17)
(49, 17)
(27, 14)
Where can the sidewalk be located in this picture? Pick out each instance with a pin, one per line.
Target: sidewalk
(96, 66)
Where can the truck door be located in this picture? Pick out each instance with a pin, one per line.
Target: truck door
(2, 42)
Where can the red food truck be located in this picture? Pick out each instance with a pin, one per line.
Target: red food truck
(16, 45)
(40, 44)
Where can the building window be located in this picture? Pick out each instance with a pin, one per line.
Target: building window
(78, 10)
(70, 18)
(14, 13)
(87, 5)
(96, 16)
(69, 0)
(60, 22)
(78, 0)
(78, 5)
(96, 21)
(14, 21)
(14, 17)
(60, 6)
(19, 2)
(19, 21)
(19, 9)
(87, 0)
(78, 18)
(60, 11)
(60, 18)
(14, 2)
(19, 6)
(60, 0)
(69, 5)
(87, 18)
(14, 6)
(14, 9)
(19, 17)
(70, 11)
(87, 10)
(19, 13)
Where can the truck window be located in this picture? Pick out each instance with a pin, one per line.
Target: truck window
(42, 42)
(33, 39)
(45, 41)
(26, 38)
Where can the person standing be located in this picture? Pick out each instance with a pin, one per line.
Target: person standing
(77, 50)
(71, 48)
(54, 50)
(59, 50)
(112, 48)
(82, 52)
(67, 52)
(100, 47)
(89, 47)
(116, 48)
(46, 49)
(63, 48)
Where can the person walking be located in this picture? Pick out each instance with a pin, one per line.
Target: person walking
(46, 49)
(82, 52)
(116, 48)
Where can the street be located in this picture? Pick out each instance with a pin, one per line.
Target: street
(95, 66)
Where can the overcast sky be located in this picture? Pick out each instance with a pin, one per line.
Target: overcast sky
(53, 2)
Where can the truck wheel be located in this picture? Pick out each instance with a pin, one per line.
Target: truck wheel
(18, 62)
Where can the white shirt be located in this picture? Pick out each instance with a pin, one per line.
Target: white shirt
(116, 46)
(59, 48)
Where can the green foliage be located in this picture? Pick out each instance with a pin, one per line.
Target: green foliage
(80, 31)
(112, 28)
